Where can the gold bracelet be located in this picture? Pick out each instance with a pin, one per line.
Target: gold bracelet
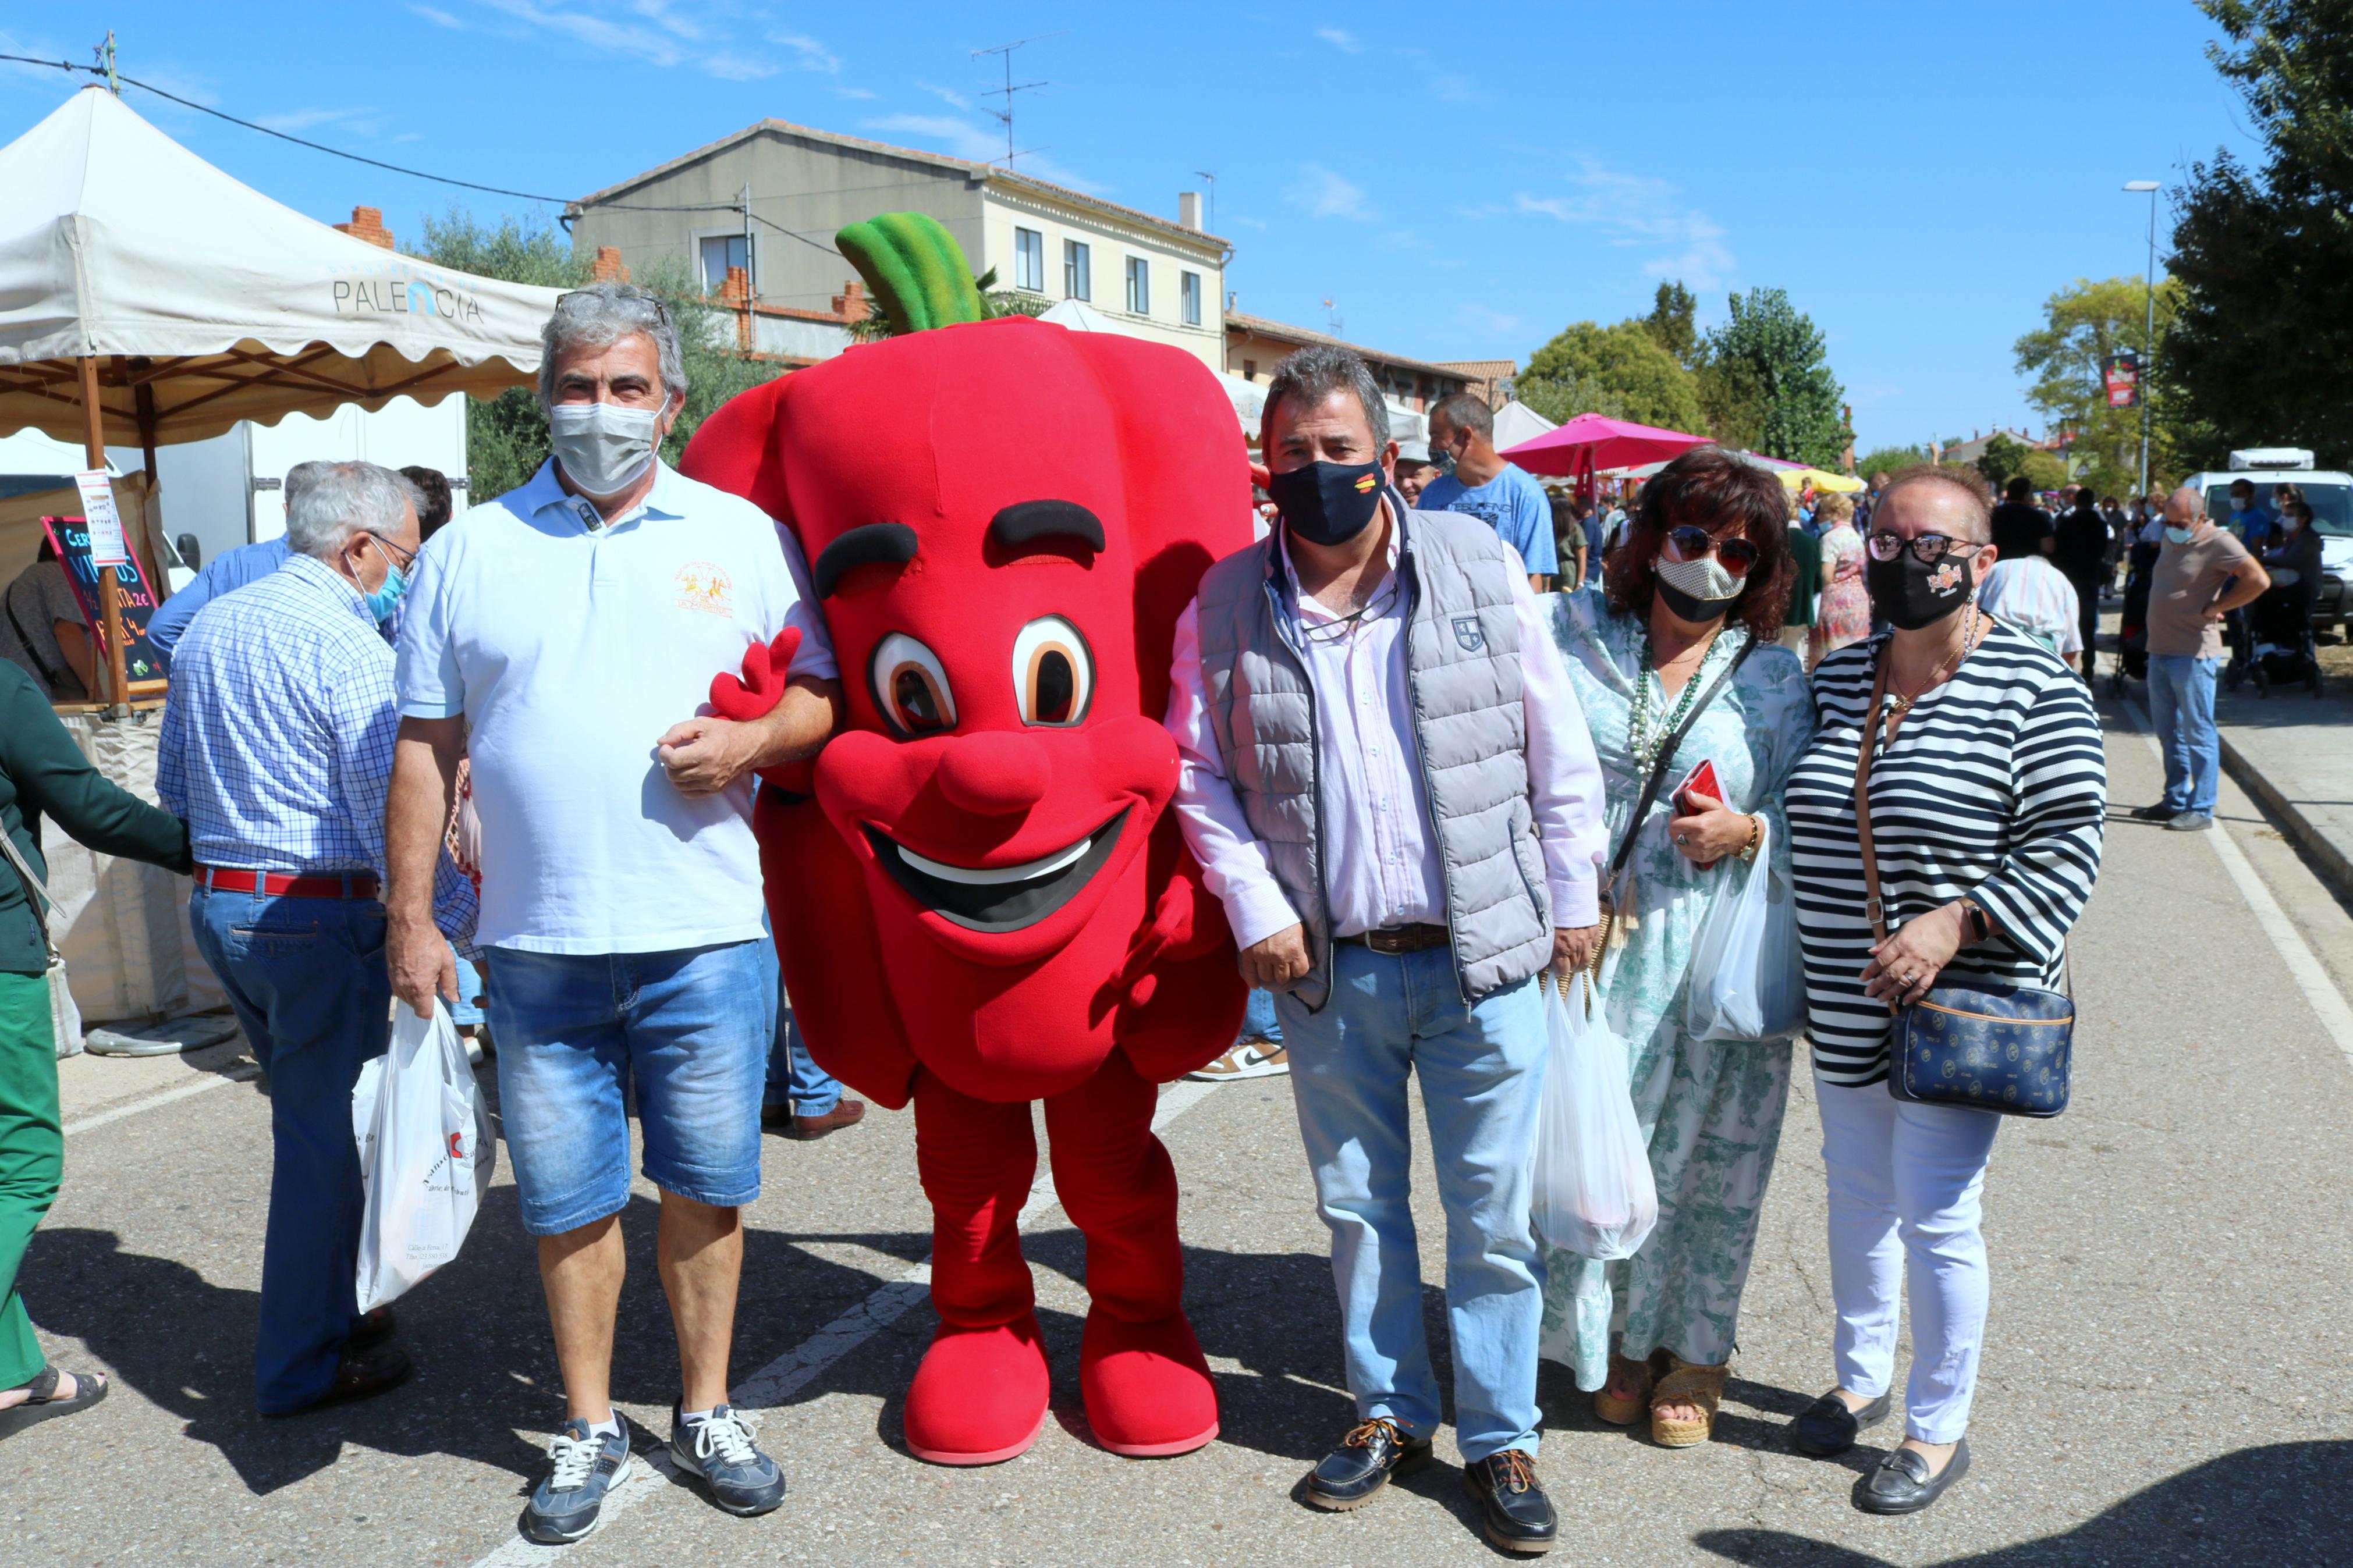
(1756, 836)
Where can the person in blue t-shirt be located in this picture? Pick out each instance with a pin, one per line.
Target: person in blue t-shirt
(1482, 484)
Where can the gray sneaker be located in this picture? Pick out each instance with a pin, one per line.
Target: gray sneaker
(565, 1507)
(719, 1449)
(2191, 821)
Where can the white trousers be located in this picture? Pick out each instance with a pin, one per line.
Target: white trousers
(1905, 1185)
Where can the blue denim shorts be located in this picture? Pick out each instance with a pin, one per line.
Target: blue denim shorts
(689, 1030)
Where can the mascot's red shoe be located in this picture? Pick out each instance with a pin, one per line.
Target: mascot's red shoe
(978, 897)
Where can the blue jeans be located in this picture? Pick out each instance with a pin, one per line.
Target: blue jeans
(794, 1078)
(1480, 1068)
(2182, 701)
(1258, 1022)
(307, 981)
(689, 1029)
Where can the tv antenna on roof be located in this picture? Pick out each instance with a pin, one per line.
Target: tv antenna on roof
(1006, 93)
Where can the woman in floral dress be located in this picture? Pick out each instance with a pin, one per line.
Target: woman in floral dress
(1845, 615)
(1704, 574)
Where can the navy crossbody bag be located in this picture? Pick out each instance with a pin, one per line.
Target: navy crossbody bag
(1978, 1043)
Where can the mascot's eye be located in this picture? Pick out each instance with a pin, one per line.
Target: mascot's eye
(911, 688)
(1053, 673)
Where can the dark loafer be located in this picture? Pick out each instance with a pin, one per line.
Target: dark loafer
(2160, 812)
(370, 1330)
(360, 1374)
(1362, 1465)
(1827, 1427)
(1901, 1484)
(1512, 1508)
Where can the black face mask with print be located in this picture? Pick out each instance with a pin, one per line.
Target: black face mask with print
(1908, 593)
(1327, 503)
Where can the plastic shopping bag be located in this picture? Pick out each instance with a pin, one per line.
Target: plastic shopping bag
(1592, 1191)
(426, 1153)
(1748, 975)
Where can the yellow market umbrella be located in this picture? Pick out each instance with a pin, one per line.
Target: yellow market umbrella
(1821, 480)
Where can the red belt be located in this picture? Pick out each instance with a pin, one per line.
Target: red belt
(332, 885)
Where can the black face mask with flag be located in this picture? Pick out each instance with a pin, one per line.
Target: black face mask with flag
(1327, 503)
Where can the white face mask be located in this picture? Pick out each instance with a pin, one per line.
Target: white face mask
(604, 448)
(1705, 579)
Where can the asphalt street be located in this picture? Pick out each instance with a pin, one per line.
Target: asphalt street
(2166, 1378)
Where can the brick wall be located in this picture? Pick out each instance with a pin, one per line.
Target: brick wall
(367, 224)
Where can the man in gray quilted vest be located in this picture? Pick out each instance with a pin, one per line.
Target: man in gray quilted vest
(1387, 781)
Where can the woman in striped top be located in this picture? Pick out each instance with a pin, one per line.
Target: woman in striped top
(1987, 796)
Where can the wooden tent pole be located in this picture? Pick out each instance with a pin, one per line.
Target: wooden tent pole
(144, 400)
(109, 591)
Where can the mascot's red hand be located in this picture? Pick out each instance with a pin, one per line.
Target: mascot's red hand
(762, 686)
(1187, 921)
(755, 695)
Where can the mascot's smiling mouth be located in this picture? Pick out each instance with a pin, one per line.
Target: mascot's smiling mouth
(997, 897)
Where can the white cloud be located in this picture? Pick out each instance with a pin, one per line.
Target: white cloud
(814, 56)
(440, 17)
(362, 121)
(672, 39)
(1236, 219)
(980, 144)
(1326, 195)
(946, 95)
(1341, 39)
(854, 92)
(1640, 212)
(1456, 90)
(1486, 320)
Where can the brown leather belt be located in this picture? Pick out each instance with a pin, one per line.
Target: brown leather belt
(1403, 938)
(327, 885)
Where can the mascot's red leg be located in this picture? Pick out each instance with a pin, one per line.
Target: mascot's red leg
(980, 1395)
(1147, 1388)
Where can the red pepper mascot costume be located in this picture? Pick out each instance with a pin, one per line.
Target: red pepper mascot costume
(983, 901)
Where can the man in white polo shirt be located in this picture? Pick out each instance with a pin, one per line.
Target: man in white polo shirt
(565, 637)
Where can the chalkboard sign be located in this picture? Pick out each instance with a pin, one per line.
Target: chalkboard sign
(141, 659)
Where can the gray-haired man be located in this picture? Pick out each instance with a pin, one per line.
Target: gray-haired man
(565, 637)
(276, 750)
(1386, 779)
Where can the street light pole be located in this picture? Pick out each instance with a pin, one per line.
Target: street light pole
(2148, 329)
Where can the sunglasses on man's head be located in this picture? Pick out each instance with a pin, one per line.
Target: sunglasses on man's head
(1929, 548)
(1734, 553)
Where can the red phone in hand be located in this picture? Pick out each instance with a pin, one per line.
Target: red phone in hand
(1699, 781)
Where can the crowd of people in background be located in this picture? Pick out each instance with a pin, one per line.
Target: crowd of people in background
(373, 764)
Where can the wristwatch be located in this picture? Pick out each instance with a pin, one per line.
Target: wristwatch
(1981, 928)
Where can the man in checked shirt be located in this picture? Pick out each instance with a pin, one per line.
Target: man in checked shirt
(276, 750)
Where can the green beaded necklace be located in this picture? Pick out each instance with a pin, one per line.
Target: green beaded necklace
(1642, 739)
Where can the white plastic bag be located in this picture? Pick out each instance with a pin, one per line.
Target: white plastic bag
(1748, 973)
(1592, 1191)
(426, 1153)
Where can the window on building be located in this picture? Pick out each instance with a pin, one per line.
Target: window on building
(1188, 297)
(1078, 271)
(1139, 286)
(1250, 370)
(1029, 260)
(720, 252)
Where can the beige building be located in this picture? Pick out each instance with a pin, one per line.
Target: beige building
(1255, 343)
(770, 198)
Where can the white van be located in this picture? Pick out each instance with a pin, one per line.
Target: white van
(2328, 492)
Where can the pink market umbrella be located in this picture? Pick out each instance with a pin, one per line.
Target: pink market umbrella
(1591, 441)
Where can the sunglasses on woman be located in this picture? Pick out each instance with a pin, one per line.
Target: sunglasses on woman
(1734, 553)
(1930, 548)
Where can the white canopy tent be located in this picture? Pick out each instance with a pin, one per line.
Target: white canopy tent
(197, 302)
(1515, 422)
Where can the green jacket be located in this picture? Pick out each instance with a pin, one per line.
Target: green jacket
(44, 773)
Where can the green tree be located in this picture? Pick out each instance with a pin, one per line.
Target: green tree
(1562, 398)
(2003, 459)
(506, 438)
(2083, 324)
(1672, 324)
(1623, 362)
(2264, 327)
(1890, 459)
(1770, 358)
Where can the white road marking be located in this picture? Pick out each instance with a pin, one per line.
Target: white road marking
(2310, 977)
(246, 1074)
(787, 1375)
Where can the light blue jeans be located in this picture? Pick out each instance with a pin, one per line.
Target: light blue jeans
(2182, 703)
(1258, 1022)
(688, 1030)
(1480, 1068)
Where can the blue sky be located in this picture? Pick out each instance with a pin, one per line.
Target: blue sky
(1459, 183)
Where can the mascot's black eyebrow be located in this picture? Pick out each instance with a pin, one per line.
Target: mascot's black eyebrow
(887, 541)
(1028, 521)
